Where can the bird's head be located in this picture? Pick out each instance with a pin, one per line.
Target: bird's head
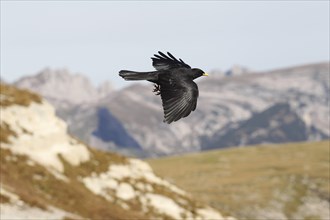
(198, 73)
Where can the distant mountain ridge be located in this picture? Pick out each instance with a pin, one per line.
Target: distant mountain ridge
(277, 124)
(224, 104)
(61, 85)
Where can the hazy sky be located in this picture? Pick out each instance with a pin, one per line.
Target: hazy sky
(98, 38)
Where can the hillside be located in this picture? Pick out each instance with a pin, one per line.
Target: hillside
(289, 181)
(226, 103)
(47, 174)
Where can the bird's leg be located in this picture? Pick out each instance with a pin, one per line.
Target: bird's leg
(156, 89)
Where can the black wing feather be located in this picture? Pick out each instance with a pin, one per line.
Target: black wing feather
(157, 56)
(172, 57)
(179, 99)
(166, 62)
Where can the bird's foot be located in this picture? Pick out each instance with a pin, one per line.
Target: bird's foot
(156, 89)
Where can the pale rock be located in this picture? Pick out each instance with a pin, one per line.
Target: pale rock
(125, 191)
(42, 136)
(113, 182)
(98, 185)
(208, 213)
(62, 87)
(165, 205)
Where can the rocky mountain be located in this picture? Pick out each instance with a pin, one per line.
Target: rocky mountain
(237, 70)
(62, 87)
(48, 174)
(277, 124)
(226, 101)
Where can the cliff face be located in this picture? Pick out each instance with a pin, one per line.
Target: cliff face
(277, 124)
(47, 173)
(110, 129)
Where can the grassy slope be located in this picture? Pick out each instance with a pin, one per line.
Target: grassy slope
(240, 180)
(16, 96)
(37, 187)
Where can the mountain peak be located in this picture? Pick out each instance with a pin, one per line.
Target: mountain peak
(62, 85)
(237, 70)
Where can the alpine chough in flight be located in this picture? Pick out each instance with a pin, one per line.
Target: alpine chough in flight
(173, 80)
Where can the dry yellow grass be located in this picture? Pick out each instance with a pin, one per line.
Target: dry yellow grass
(11, 95)
(5, 133)
(38, 188)
(234, 180)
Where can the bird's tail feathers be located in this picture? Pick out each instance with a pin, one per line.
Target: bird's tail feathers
(132, 75)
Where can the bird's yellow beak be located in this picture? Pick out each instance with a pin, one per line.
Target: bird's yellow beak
(205, 74)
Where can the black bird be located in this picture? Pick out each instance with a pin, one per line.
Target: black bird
(173, 82)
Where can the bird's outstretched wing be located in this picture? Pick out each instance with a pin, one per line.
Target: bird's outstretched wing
(179, 99)
(166, 62)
